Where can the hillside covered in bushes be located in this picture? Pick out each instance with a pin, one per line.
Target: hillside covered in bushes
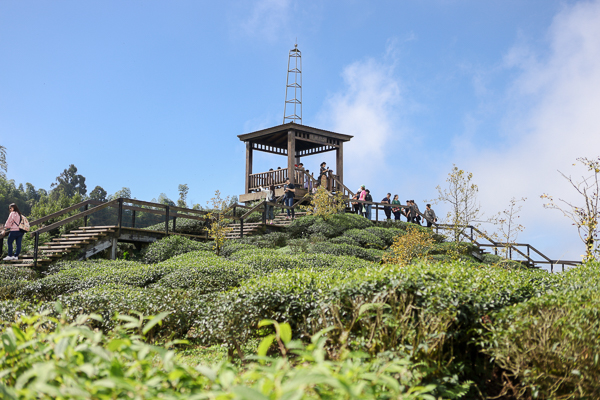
(323, 310)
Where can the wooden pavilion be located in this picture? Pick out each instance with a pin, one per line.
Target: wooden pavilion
(294, 141)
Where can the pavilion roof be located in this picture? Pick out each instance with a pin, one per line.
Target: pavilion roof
(307, 137)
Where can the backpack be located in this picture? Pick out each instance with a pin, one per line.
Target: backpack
(24, 224)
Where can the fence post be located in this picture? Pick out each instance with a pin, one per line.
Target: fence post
(85, 219)
(241, 228)
(264, 214)
(133, 219)
(174, 224)
(551, 268)
(167, 220)
(376, 212)
(35, 248)
(120, 215)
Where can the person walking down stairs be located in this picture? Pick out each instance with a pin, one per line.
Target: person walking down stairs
(12, 223)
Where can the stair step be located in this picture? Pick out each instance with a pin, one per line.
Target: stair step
(98, 227)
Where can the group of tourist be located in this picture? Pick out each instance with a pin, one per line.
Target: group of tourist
(289, 190)
(410, 211)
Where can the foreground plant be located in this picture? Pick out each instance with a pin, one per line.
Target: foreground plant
(218, 228)
(74, 362)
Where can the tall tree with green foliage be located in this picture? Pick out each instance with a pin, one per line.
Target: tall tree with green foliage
(183, 192)
(70, 183)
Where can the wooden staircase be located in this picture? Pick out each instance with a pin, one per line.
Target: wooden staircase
(67, 243)
(251, 228)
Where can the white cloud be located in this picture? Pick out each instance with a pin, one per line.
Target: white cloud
(267, 19)
(366, 108)
(554, 118)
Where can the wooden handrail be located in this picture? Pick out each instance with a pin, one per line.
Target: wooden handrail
(61, 212)
(74, 217)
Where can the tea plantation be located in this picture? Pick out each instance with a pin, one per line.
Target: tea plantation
(311, 312)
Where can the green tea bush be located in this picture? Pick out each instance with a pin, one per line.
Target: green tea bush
(549, 346)
(343, 240)
(111, 299)
(386, 234)
(10, 289)
(232, 247)
(12, 310)
(171, 246)
(9, 272)
(270, 240)
(79, 363)
(266, 261)
(94, 274)
(347, 250)
(366, 239)
(204, 273)
(333, 226)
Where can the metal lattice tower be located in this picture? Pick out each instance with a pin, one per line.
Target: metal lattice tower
(295, 69)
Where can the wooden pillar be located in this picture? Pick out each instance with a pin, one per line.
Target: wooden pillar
(292, 156)
(248, 165)
(113, 250)
(339, 162)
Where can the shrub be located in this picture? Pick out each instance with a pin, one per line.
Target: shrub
(9, 272)
(88, 364)
(549, 346)
(171, 246)
(386, 234)
(232, 247)
(333, 226)
(204, 273)
(269, 240)
(93, 274)
(10, 289)
(406, 248)
(344, 240)
(364, 238)
(347, 250)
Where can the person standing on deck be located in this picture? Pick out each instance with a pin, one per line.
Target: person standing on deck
(289, 189)
(323, 174)
(12, 223)
(368, 207)
(269, 193)
(417, 213)
(387, 210)
(430, 216)
(396, 210)
(362, 195)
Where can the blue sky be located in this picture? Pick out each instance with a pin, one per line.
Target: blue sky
(152, 94)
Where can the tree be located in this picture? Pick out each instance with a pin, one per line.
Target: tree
(217, 224)
(125, 193)
(325, 204)
(584, 217)
(508, 228)
(3, 164)
(183, 192)
(461, 195)
(69, 183)
(100, 194)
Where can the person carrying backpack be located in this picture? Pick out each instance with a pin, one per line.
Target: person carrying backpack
(16, 233)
